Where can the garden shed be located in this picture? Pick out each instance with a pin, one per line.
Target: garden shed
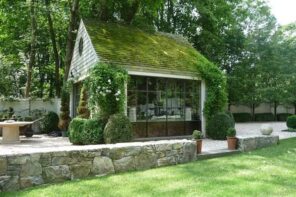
(165, 96)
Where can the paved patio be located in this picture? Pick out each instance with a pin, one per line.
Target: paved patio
(251, 129)
(43, 143)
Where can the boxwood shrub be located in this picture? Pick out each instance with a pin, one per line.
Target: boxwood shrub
(76, 130)
(118, 129)
(93, 132)
(242, 117)
(86, 131)
(283, 116)
(219, 124)
(291, 122)
(264, 117)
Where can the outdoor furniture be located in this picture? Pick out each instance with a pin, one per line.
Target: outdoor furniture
(11, 131)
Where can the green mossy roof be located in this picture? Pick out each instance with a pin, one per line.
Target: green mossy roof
(129, 46)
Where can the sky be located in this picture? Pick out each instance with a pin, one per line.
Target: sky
(283, 10)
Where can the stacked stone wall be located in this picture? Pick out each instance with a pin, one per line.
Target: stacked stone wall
(24, 170)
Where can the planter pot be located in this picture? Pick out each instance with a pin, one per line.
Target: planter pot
(266, 129)
(198, 146)
(232, 142)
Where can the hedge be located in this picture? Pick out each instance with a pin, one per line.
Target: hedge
(242, 117)
(283, 116)
(291, 122)
(264, 117)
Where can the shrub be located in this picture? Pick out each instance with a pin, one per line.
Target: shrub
(76, 130)
(82, 109)
(93, 132)
(283, 116)
(219, 124)
(291, 122)
(242, 117)
(196, 134)
(50, 122)
(264, 117)
(65, 110)
(231, 132)
(230, 116)
(28, 118)
(86, 131)
(118, 129)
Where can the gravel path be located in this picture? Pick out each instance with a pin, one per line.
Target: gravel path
(252, 129)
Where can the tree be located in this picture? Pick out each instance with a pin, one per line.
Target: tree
(64, 118)
(33, 48)
(71, 35)
(54, 46)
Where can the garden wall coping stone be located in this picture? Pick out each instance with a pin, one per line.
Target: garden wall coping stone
(249, 143)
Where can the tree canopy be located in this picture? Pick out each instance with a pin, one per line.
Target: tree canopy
(241, 37)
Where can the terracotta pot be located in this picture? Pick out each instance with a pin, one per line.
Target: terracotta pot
(198, 146)
(231, 141)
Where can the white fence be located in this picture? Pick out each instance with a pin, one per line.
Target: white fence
(23, 107)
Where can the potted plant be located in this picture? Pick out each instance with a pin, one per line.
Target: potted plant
(197, 135)
(231, 139)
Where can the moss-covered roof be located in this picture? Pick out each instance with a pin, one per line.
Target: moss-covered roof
(131, 47)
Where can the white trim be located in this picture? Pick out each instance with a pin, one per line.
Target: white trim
(151, 74)
(202, 107)
(125, 100)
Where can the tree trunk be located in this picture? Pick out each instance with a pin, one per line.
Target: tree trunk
(54, 47)
(65, 116)
(71, 36)
(253, 112)
(275, 110)
(33, 48)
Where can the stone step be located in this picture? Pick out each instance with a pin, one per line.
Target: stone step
(216, 153)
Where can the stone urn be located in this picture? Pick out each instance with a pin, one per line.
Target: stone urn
(266, 129)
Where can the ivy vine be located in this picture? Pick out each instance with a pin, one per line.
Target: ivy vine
(216, 86)
(106, 89)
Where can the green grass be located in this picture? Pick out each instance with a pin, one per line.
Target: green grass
(266, 172)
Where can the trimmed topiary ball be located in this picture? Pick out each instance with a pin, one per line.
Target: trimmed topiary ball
(219, 124)
(291, 122)
(76, 130)
(50, 122)
(118, 129)
(93, 132)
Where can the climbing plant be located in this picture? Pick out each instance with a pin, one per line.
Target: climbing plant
(216, 87)
(106, 86)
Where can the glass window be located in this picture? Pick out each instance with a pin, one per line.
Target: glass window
(167, 106)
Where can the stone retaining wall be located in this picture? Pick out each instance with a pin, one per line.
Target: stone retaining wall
(255, 142)
(22, 171)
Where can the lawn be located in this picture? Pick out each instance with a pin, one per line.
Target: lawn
(266, 172)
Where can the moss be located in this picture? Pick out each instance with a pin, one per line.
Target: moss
(126, 45)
